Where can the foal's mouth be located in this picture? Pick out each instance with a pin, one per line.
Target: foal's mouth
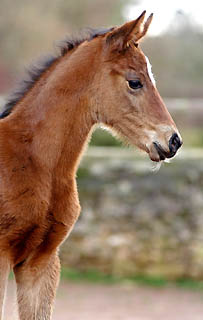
(162, 153)
(158, 153)
(175, 143)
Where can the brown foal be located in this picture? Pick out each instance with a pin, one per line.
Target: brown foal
(102, 78)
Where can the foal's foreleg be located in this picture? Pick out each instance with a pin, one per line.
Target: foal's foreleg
(36, 288)
(4, 272)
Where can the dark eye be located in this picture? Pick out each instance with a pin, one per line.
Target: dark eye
(135, 84)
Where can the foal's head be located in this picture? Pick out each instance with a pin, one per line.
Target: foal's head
(131, 104)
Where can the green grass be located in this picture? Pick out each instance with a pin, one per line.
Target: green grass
(89, 276)
(192, 137)
(103, 138)
(93, 276)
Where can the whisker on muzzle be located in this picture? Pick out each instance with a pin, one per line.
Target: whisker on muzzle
(156, 166)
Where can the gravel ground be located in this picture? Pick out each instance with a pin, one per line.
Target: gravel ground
(119, 302)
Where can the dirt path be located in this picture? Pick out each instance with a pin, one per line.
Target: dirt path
(120, 302)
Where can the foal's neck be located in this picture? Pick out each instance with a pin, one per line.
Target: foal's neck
(55, 114)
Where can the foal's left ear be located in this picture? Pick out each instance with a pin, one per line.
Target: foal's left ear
(134, 30)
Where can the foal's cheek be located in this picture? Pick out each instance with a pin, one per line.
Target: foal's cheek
(134, 103)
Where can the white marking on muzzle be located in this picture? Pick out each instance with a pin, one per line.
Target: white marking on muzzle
(149, 69)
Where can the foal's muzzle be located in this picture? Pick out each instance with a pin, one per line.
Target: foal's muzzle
(174, 144)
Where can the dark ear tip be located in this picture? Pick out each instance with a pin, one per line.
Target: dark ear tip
(142, 14)
(150, 18)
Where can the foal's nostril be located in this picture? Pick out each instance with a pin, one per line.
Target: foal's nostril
(174, 143)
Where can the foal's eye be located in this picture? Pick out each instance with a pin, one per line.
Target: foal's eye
(135, 84)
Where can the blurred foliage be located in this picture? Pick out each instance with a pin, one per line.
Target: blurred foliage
(176, 57)
(96, 13)
(28, 28)
(192, 137)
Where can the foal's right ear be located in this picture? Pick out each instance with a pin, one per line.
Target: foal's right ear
(134, 30)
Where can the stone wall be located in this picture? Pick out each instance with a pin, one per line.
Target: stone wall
(136, 221)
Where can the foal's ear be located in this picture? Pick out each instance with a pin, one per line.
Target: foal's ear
(134, 30)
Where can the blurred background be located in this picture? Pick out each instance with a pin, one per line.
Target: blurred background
(137, 227)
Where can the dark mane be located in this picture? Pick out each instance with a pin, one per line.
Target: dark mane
(35, 71)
